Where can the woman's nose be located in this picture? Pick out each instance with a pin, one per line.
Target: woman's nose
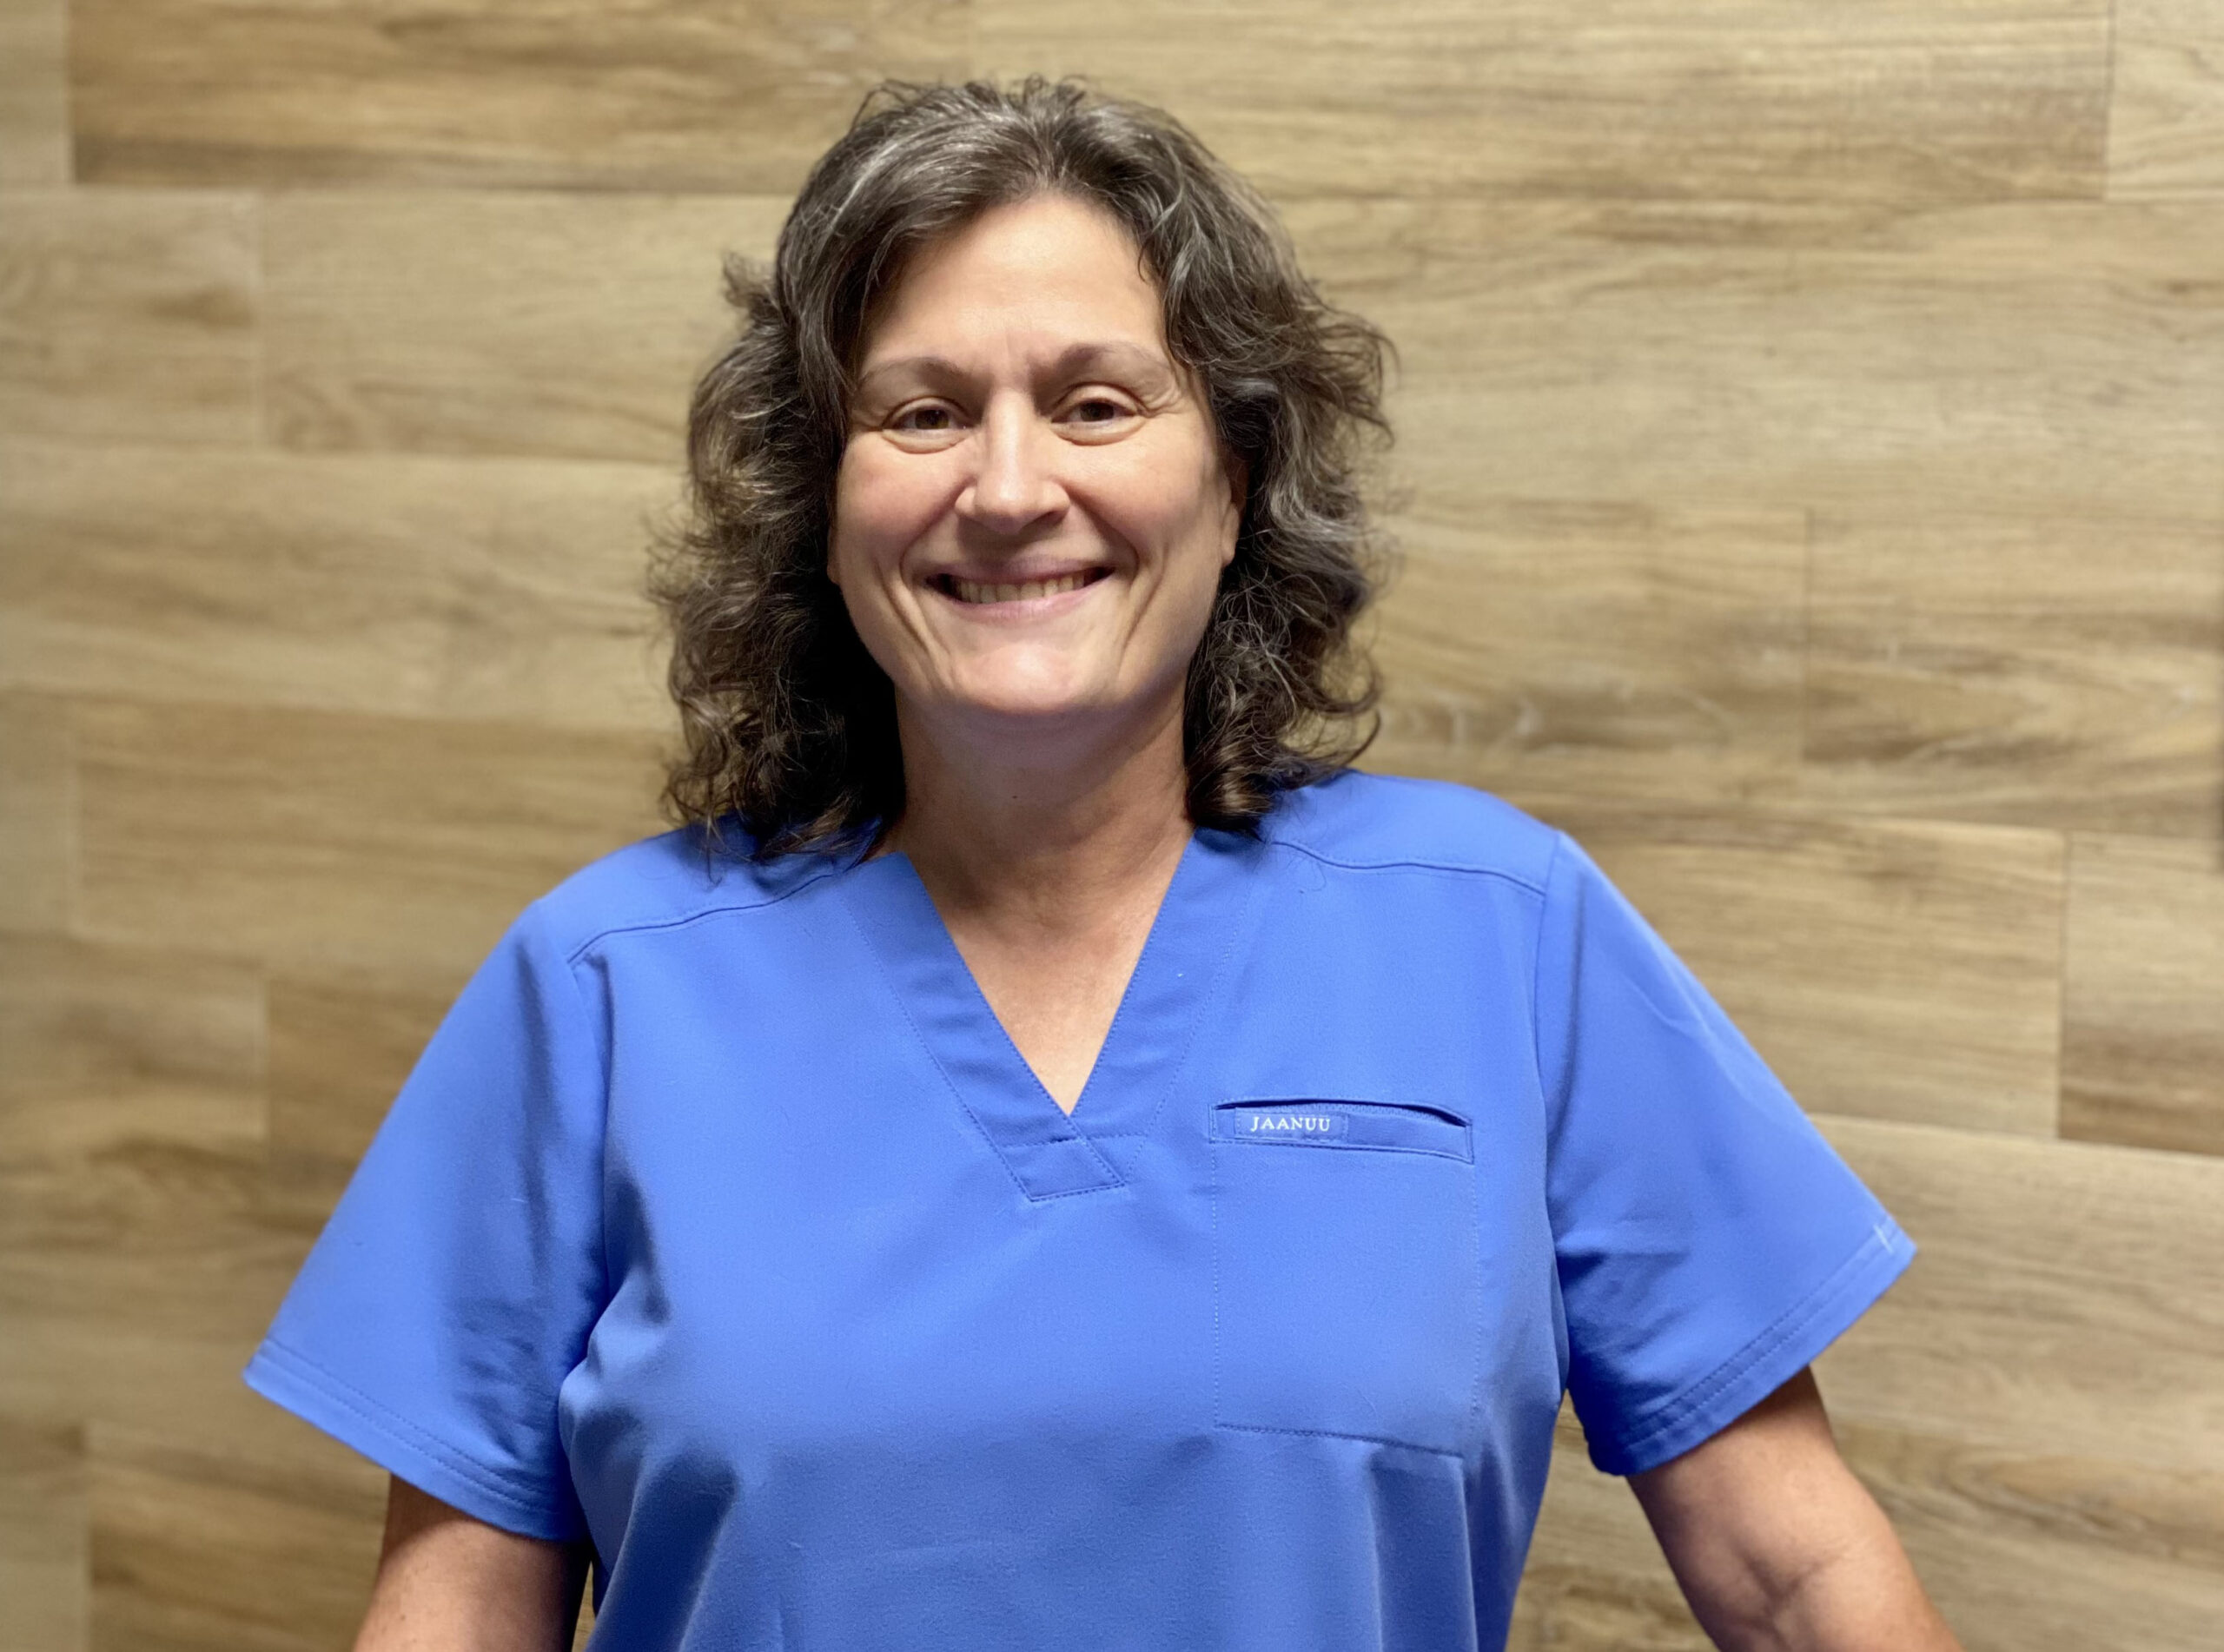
(1014, 485)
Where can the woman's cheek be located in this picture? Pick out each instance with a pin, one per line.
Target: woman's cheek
(880, 511)
(912, 492)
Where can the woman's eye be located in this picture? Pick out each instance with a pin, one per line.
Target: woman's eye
(1098, 410)
(925, 418)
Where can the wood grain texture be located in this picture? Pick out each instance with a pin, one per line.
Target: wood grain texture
(2166, 113)
(2026, 358)
(34, 94)
(2035, 1551)
(1913, 100)
(1620, 648)
(735, 95)
(2065, 1301)
(132, 1118)
(134, 1260)
(110, 1043)
(2142, 1056)
(511, 323)
(507, 589)
(37, 842)
(130, 315)
(2047, 670)
(187, 1543)
(329, 839)
(43, 1528)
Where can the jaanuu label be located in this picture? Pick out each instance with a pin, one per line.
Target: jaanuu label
(1286, 1124)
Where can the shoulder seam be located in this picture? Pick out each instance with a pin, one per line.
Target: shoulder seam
(573, 957)
(1410, 863)
(590, 1025)
(1536, 954)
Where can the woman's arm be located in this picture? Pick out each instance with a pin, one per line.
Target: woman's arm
(1777, 1546)
(447, 1580)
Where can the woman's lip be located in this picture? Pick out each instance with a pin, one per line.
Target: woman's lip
(948, 585)
(1022, 576)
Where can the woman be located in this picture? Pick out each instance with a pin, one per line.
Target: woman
(1071, 1162)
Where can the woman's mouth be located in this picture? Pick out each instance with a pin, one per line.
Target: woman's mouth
(973, 591)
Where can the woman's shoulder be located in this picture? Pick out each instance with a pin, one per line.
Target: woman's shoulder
(1362, 820)
(667, 880)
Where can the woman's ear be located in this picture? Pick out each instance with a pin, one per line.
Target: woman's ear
(1239, 493)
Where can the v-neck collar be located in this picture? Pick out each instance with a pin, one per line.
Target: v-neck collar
(1204, 920)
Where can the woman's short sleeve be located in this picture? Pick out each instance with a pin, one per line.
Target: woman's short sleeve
(454, 1284)
(1710, 1242)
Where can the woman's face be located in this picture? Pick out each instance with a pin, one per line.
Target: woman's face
(1032, 514)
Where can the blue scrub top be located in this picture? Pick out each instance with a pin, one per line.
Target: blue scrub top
(720, 1221)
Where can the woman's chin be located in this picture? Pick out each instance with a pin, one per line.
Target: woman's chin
(1050, 703)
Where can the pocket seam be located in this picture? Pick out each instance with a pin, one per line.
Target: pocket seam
(1342, 1434)
(1437, 1114)
(1477, 1292)
(1440, 1111)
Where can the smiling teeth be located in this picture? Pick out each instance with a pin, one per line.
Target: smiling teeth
(969, 591)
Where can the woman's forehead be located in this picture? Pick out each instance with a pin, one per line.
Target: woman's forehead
(1064, 274)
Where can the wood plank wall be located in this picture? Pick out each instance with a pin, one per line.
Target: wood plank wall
(1812, 433)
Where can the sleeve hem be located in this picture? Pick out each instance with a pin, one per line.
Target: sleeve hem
(1764, 1363)
(290, 1380)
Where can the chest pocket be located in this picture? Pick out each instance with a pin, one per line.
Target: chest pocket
(1346, 1269)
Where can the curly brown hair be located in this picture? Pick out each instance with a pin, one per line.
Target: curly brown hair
(788, 724)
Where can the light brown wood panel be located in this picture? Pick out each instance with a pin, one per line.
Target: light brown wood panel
(2052, 669)
(1896, 969)
(74, 1350)
(2024, 1550)
(331, 839)
(2142, 1057)
(34, 98)
(2032, 358)
(2065, 1301)
(383, 583)
(139, 1253)
(1621, 649)
(341, 1043)
(194, 1548)
(147, 1228)
(108, 1045)
(2037, 1552)
(2166, 114)
(136, 1274)
(132, 1118)
(36, 787)
(736, 94)
(130, 314)
(43, 1565)
(1915, 101)
(572, 324)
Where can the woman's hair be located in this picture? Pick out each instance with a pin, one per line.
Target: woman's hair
(788, 724)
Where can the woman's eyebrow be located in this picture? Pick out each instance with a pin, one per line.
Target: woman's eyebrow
(1074, 358)
(1112, 354)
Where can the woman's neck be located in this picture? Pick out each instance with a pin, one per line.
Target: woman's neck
(1048, 831)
